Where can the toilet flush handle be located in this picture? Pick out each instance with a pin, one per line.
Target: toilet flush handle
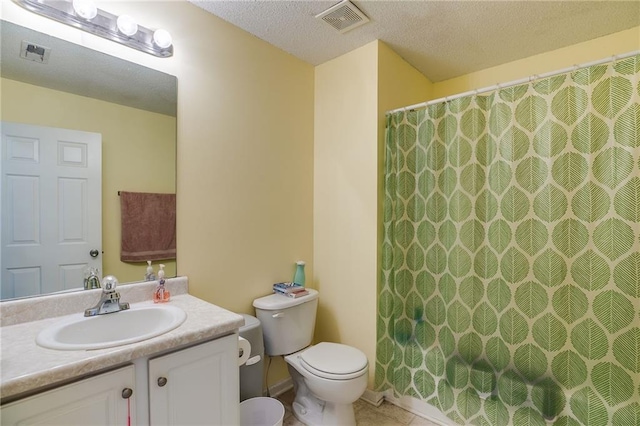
(278, 315)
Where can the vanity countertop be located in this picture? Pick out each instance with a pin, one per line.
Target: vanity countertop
(26, 367)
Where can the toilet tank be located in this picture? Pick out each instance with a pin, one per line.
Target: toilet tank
(287, 323)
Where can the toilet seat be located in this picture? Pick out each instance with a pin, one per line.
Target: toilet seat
(334, 361)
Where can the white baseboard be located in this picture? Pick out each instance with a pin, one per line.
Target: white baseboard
(280, 387)
(420, 408)
(372, 397)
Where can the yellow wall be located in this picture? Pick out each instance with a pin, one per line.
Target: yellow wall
(263, 178)
(347, 163)
(593, 50)
(140, 144)
(245, 165)
(345, 176)
(351, 94)
(245, 151)
(245, 161)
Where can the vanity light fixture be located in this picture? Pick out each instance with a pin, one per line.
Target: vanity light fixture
(162, 38)
(85, 9)
(127, 25)
(84, 14)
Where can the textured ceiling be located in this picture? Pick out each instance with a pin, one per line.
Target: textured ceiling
(442, 39)
(82, 71)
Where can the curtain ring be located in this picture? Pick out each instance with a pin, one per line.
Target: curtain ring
(614, 59)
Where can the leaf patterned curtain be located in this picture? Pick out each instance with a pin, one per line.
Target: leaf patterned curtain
(510, 276)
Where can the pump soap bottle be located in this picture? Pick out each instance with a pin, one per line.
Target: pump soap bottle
(149, 276)
(161, 294)
(298, 277)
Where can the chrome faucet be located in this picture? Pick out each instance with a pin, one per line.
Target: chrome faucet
(91, 279)
(109, 300)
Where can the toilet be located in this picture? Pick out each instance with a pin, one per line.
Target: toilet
(327, 377)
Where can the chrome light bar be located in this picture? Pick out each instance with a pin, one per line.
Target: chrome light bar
(84, 15)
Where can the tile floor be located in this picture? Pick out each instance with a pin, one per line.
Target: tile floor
(386, 414)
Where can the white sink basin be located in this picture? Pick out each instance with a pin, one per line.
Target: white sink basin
(105, 331)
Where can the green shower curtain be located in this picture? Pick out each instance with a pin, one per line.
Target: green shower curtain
(509, 289)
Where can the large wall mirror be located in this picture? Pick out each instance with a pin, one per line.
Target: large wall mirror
(131, 107)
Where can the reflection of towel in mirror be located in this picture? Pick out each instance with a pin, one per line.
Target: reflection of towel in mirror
(148, 226)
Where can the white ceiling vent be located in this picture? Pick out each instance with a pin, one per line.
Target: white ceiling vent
(343, 16)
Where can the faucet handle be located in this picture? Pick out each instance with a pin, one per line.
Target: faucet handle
(109, 284)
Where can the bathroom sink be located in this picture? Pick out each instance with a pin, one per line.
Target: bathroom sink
(105, 331)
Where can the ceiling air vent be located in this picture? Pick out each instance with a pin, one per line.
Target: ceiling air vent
(343, 16)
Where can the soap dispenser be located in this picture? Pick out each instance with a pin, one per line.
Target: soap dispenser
(161, 294)
(149, 276)
(298, 277)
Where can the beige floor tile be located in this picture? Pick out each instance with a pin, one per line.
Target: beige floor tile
(361, 404)
(402, 417)
(291, 421)
(287, 399)
(367, 417)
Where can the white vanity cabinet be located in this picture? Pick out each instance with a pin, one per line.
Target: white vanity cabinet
(198, 359)
(97, 400)
(196, 386)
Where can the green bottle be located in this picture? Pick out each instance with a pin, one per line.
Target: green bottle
(298, 277)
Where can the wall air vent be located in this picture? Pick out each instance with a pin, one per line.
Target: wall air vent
(34, 52)
(343, 16)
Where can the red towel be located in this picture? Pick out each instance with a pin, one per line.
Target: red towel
(148, 226)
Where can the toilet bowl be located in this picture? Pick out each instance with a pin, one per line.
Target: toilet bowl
(327, 377)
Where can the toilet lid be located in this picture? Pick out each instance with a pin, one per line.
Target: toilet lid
(333, 360)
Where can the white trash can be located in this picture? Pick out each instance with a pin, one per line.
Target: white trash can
(261, 411)
(251, 373)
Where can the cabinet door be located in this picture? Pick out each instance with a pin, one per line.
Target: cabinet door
(196, 386)
(94, 401)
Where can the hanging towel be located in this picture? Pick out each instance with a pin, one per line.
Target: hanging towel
(148, 226)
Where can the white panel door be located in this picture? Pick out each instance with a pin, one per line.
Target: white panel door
(51, 208)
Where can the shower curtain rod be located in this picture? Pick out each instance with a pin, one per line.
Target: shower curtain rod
(516, 82)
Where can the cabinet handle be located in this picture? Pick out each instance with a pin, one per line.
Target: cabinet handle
(162, 381)
(126, 393)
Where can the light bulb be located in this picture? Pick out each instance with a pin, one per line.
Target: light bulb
(127, 25)
(162, 38)
(85, 9)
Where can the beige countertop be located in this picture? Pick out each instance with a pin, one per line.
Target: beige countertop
(26, 367)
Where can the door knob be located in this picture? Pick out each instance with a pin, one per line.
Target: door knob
(94, 253)
(162, 381)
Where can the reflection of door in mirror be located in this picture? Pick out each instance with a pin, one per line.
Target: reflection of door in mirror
(131, 106)
(57, 171)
